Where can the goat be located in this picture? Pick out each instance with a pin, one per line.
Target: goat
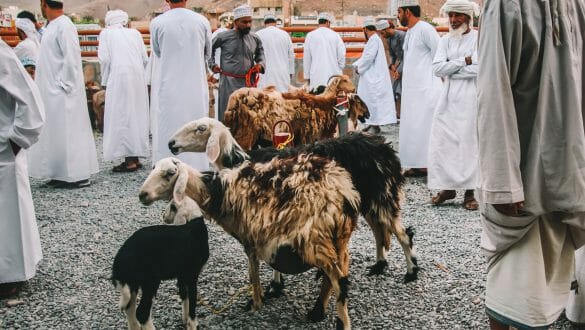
(373, 165)
(251, 113)
(162, 252)
(294, 214)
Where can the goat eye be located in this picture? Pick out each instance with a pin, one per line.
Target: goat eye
(201, 128)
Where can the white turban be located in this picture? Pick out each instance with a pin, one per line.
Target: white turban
(369, 21)
(242, 11)
(466, 7)
(324, 15)
(382, 25)
(116, 18)
(28, 27)
(406, 3)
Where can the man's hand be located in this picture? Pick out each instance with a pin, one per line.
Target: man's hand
(512, 210)
(15, 147)
(258, 67)
(216, 68)
(468, 60)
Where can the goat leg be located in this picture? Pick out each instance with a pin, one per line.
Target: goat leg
(253, 271)
(192, 304)
(274, 289)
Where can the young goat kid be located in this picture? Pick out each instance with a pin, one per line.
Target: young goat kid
(372, 163)
(163, 252)
(294, 214)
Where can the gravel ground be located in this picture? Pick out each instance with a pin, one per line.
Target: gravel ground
(82, 229)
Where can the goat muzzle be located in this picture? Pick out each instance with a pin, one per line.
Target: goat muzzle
(172, 147)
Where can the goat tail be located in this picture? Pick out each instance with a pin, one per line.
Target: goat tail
(125, 295)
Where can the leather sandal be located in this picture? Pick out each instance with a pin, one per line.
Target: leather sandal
(414, 173)
(443, 196)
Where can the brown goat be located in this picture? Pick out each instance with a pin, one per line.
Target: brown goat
(294, 214)
(99, 103)
(251, 112)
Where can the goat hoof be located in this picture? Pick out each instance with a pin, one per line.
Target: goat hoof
(409, 277)
(319, 274)
(250, 306)
(274, 290)
(316, 314)
(378, 268)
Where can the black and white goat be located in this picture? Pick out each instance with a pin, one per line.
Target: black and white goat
(372, 163)
(294, 214)
(156, 253)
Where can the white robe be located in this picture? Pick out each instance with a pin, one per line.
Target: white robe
(531, 149)
(21, 120)
(323, 56)
(27, 49)
(217, 56)
(66, 150)
(420, 92)
(181, 39)
(279, 56)
(123, 58)
(375, 86)
(453, 149)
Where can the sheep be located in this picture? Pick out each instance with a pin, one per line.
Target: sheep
(162, 252)
(252, 112)
(294, 214)
(373, 165)
(99, 102)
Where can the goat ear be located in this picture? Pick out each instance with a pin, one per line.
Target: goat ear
(213, 148)
(181, 185)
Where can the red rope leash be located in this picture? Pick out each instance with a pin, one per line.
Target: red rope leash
(252, 76)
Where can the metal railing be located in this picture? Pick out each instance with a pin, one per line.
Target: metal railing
(10, 36)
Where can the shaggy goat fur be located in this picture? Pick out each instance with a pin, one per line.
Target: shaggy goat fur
(372, 163)
(293, 213)
(252, 112)
(157, 253)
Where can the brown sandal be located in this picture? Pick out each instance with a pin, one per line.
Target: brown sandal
(443, 196)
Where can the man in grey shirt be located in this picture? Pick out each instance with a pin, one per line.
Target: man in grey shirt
(241, 51)
(395, 41)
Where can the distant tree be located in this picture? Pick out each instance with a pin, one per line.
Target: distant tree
(87, 19)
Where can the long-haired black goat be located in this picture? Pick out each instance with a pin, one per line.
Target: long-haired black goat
(373, 165)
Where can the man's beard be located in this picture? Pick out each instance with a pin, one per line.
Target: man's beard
(458, 32)
(404, 21)
(244, 31)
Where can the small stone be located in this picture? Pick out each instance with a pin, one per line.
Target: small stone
(14, 302)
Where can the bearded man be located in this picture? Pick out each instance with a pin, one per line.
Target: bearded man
(241, 54)
(453, 150)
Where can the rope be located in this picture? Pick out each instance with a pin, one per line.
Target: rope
(230, 302)
(252, 76)
(339, 108)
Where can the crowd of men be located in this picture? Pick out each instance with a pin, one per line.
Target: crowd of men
(500, 114)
